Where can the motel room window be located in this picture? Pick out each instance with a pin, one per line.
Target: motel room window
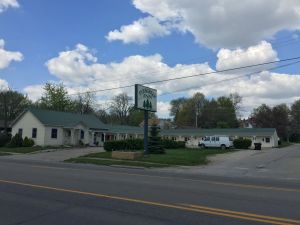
(81, 134)
(34, 132)
(20, 132)
(267, 140)
(53, 133)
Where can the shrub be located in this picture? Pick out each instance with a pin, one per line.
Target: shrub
(170, 144)
(16, 141)
(242, 143)
(28, 142)
(132, 145)
(155, 144)
(4, 138)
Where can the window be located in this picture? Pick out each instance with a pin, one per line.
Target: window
(213, 139)
(34, 132)
(54, 133)
(217, 139)
(207, 139)
(81, 134)
(267, 140)
(20, 132)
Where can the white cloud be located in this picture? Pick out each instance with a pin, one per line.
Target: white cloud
(80, 70)
(219, 24)
(258, 54)
(34, 92)
(6, 57)
(163, 109)
(139, 31)
(3, 85)
(4, 4)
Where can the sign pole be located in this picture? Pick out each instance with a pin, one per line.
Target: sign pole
(146, 100)
(146, 116)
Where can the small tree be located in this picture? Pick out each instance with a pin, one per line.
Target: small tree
(155, 141)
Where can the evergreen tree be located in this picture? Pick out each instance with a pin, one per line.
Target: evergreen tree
(155, 141)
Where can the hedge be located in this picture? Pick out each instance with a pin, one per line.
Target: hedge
(132, 145)
(138, 144)
(242, 143)
(170, 144)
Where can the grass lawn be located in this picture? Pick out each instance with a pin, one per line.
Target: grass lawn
(21, 149)
(284, 144)
(173, 157)
(4, 153)
(28, 149)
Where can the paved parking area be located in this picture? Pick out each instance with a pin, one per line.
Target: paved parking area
(275, 163)
(57, 155)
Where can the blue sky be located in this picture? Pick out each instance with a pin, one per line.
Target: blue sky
(159, 39)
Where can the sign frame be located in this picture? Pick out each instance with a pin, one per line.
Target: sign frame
(148, 103)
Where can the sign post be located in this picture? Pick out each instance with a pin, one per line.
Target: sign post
(145, 99)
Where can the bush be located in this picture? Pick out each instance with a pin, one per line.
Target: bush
(132, 145)
(242, 143)
(170, 144)
(4, 138)
(16, 141)
(28, 142)
(155, 144)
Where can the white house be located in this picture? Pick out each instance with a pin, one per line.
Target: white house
(47, 127)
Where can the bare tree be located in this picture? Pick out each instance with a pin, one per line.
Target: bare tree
(121, 106)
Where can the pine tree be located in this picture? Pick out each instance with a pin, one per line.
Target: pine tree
(155, 141)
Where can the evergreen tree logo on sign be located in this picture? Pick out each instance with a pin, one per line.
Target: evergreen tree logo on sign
(145, 98)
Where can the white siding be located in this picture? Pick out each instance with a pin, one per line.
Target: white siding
(27, 122)
(54, 141)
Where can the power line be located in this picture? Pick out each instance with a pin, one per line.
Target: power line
(190, 76)
(287, 40)
(232, 78)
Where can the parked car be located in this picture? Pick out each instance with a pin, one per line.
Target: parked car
(216, 141)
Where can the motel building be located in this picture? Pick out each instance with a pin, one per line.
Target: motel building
(53, 128)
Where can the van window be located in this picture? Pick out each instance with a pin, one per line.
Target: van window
(213, 138)
(217, 139)
(207, 139)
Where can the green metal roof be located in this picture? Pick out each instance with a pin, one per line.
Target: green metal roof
(66, 119)
(229, 132)
(124, 129)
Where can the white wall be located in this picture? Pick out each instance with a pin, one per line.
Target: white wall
(54, 141)
(27, 122)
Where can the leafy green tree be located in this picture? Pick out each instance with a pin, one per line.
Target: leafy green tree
(295, 121)
(262, 116)
(56, 98)
(277, 117)
(12, 103)
(280, 115)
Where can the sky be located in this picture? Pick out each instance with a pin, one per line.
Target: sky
(94, 45)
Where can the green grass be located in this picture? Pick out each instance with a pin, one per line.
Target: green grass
(173, 157)
(28, 149)
(21, 149)
(4, 153)
(285, 144)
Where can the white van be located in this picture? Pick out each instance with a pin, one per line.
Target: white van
(216, 141)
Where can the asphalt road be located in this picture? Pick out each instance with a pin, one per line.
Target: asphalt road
(49, 193)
